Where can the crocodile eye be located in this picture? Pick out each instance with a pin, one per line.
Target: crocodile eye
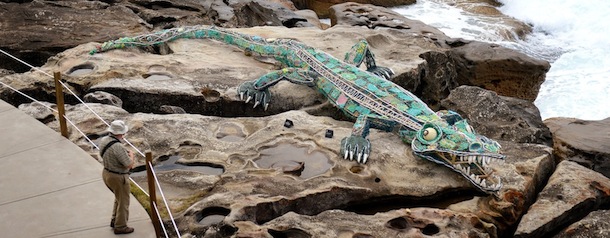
(430, 134)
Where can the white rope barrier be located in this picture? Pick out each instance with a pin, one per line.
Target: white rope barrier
(86, 137)
(160, 220)
(137, 185)
(164, 200)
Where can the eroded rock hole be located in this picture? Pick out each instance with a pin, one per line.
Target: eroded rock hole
(399, 223)
(430, 229)
(389, 203)
(212, 215)
(356, 169)
(168, 163)
(81, 69)
(290, 233)
(294, 159)
(210, 95)
(230, 132)
(361, 235)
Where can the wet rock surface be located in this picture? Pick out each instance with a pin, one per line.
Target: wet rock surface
(323, 7)
(512, 119)
(596, 224)
(452, 62)
(584, 142)
(571, 193)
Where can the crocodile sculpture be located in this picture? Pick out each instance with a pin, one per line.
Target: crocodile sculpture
(365, 95)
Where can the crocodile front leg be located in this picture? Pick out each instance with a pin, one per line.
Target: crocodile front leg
(361, 52)
(258, 90)
(357, 144)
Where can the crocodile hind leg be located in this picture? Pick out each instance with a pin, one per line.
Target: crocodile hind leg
(258, 90)
(361, 52)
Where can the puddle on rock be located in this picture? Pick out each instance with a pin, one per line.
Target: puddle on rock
(230, 132)
(168, 163)
(156, 76)
(291, 158)
(80, 70)
(213, 215)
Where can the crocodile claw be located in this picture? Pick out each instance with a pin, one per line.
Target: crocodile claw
(356, 148)
(248, 91)
(380, 71)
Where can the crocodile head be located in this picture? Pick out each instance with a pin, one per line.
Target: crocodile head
(454, 143)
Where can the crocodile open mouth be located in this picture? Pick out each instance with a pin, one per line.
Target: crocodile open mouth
(476, 168)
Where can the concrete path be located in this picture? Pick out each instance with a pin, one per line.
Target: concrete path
(49, 187)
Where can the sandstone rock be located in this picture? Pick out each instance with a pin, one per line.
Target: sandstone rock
(37, 30)
(264, 13)
(312, 18)
(40, 111)
(250, 189)
(572, 192)
(596, 224)
(104, 98)
(371, 16)
(511, 119)
(172, 109)
(499, 69)
(581, 141)
(415, 222)
(452, 62)
(528, 168)
(321, 7)
(201, 76)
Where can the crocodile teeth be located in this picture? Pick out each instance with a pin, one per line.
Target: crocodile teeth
(483, 183)
(488, 160)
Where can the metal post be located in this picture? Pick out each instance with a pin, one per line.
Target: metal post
(152, 194)
(59, 95)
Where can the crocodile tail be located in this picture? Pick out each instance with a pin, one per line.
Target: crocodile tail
(245, 42)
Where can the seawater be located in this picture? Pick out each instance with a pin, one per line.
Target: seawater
(572, 35)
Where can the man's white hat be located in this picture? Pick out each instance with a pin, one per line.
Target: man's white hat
(117, 127)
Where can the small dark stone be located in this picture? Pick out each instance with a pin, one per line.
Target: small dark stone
(329, 133)
(288, 123)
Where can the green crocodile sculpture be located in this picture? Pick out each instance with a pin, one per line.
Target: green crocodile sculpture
(365, 95)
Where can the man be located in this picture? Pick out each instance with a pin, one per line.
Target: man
(117, 163)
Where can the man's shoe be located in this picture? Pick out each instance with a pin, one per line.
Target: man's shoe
(124, 230)
(112, 223)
